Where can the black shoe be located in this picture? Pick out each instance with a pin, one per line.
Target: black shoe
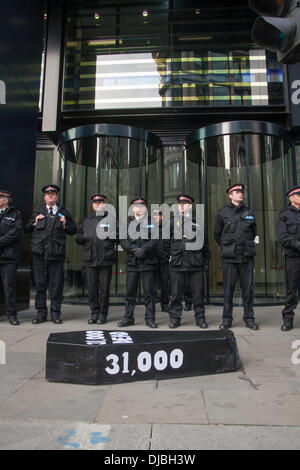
(92, 321)
(13, 321)
(151, 324)
(225, 325)
(201, 323)
(174, 324)
(57, 321)
(287, 325)
(252, 325)
(39, 319)
(165, 308)
(101, 320)
(187, 307)
(126, 323)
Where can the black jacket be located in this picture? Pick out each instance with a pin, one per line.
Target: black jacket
(234, 231)
(287, 228)
(10, 234)
(148, 245)
(163, 248)
(49, 239)
(96, 251)
(182, 258)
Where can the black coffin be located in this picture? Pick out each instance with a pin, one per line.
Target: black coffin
(106, 357)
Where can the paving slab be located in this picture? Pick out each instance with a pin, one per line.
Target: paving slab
(39, 399)
(220, 437)
(67, 435)
(136, 404)
(253, 407)
(192, 412)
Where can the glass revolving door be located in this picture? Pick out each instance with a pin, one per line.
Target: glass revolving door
(114, 160)
(250, 152)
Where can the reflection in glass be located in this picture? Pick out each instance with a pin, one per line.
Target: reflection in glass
(258, 162)
(166, 54)
(114, 166)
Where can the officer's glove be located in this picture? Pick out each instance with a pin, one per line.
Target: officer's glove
(139, 253)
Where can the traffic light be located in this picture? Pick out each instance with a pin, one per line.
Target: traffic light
(279, 28)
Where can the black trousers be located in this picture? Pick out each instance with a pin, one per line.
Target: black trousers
(48, 275)
(163, 280)
(231, 273)
(178, 281)
(8, 273)
(293, 277)
(98, 284)
(132, 283)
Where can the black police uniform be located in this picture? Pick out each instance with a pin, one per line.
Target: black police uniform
(163, 273)
(98, 257)
(48, 247)
(187, 265)
(287, 229)
(10, 234)
(234, 231)
(141, 263)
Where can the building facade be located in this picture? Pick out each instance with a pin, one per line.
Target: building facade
(158, 97)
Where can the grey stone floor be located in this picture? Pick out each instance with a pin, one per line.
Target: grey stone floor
(255, 408)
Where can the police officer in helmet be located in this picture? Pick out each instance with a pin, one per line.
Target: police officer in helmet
(235, 231)
(49, 223)
(99, 254)
(187, 265)
(10, 234)
(287, 229)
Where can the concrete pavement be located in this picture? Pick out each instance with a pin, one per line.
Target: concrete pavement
(256, 408)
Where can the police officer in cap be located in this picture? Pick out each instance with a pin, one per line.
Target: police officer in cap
(99, 254)
(163, 274)
(287, 229)
(10, 234)
(235, 231)
(141, 262)
(187, 265)
(49, 224)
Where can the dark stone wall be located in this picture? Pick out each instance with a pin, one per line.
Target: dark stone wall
(21, 44)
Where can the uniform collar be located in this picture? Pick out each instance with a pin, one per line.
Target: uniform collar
(293, 208)
(240, 206)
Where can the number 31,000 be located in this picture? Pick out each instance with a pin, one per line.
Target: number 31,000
(144, 361)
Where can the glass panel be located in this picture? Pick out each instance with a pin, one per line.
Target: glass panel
(297, 158)
(267, 199)
(226, 164)
(228, 157)
(114, 166)
(162, 53)
(173, 171)
(43, 173)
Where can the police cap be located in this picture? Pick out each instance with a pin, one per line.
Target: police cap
(98, 198)
(139, 200)
(4, 193)
(234, 187)
(185, 198)
(50, 188)
(295, 190)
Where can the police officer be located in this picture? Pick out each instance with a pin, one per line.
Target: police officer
(50, 224)
(10, 234)
(234, 231)
(99, 254)
(141, 262)
(287, 229)
(187, 265)
(163, 263)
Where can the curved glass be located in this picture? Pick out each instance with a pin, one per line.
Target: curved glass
(216, 161)
(124, 165)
